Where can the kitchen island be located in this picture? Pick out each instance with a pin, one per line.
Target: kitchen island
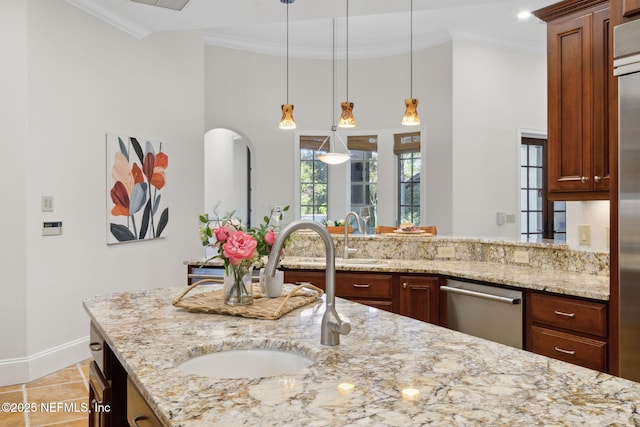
(460, 380)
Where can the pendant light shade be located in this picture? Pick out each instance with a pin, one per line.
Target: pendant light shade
(346, 118)
(411, 116)
(287, 121)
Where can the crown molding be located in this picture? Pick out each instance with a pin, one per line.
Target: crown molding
(110, 18)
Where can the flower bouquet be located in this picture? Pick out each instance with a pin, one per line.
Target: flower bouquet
(237, 249)
(240, 249)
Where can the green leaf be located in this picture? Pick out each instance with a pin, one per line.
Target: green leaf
(121, 233)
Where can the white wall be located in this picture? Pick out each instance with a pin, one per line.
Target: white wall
(244, 91)
(496, 93)
(85, 79)
(13, 110)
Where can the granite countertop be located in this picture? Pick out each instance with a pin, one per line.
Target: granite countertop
(548, 280)
(461, 380)
(523, 277)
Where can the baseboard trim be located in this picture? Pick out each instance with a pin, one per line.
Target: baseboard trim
(22, 370)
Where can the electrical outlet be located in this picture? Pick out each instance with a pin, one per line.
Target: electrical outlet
(446, 252)
(584, 234)
(521, 257)
(510, 218)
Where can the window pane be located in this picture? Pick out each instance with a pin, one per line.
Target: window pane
(524, 182)
(560, 221)
(357, 197)
(535, 200)
(535, 222)
(535, 155)
(523, 155)
(524, 225)
(535, 178)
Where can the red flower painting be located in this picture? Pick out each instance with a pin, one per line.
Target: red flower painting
(137, 178)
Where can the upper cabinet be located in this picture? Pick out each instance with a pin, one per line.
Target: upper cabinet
(631, 8)
(580, 81)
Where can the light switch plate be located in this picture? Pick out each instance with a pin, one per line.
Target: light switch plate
(47, 204)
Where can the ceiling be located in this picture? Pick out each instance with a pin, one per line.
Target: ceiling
(376, 27)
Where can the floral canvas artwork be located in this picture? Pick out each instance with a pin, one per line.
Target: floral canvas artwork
(136, 206)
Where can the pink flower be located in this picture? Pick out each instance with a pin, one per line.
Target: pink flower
(221, 234)
(270, 237)
(239, 246)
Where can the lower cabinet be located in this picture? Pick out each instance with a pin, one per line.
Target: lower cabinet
(419, 297)
(568, 329)
(414, 296)
(139, 414)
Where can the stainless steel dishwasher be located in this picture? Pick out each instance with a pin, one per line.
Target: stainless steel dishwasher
(484, 311)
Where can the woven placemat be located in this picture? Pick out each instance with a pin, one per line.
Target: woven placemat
(262, 307)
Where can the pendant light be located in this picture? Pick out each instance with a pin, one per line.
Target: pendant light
(411, 116)
(331, 157)
(287, 121)
(346, 118)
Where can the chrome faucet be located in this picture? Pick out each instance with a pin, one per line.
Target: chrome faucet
(347, 249)
(332, 325)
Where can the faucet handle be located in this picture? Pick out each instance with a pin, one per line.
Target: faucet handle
(341, 327)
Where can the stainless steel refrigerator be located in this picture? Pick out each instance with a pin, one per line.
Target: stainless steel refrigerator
(627, 67)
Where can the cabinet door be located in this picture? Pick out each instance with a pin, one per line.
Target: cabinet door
(99, 397)
(603, 82)
(570, 100)
(419, 297)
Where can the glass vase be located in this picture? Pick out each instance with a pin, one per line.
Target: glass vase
(237, 287)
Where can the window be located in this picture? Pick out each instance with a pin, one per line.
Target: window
(313, 180)
(539, 217)
(364, 175)
(407, 148)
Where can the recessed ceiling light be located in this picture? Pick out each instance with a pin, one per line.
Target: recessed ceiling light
(525, 14)
(169, 4)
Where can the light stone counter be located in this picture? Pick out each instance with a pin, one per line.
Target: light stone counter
(462, 380)
(556, 281)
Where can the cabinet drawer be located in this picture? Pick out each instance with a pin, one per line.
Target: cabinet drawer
(569, 348)
(97, 347)
(567, 313)
(364, 285)
(138, 411)
(316, 278)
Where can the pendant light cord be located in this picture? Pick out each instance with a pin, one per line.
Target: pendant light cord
(347, 50)
(411, 52)
(288, 52)
(333, 73)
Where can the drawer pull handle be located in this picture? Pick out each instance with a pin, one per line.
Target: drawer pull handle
(138, 418)
(571, 352)
(361, 285)
(95, 346)
(562, 313)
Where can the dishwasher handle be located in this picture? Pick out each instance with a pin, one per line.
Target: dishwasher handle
(483, 295)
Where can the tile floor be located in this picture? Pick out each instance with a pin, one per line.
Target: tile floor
(59, 399)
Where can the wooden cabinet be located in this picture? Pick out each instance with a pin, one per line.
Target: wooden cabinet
(419, 297)
(373, 289)
(568, 329)
(580, 79)
(139, 413)
(631, 8)
(107, 389)
(416, 296)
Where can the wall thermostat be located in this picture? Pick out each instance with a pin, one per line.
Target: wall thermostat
(51, 228)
